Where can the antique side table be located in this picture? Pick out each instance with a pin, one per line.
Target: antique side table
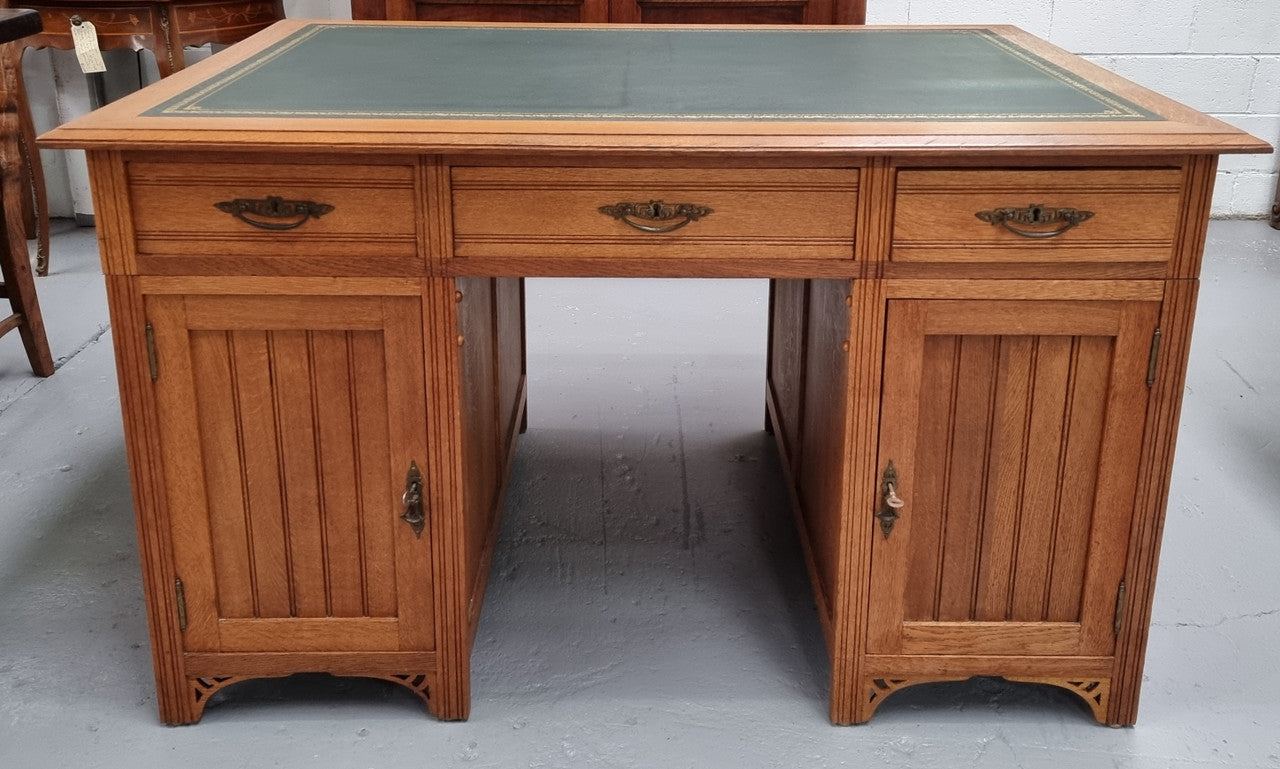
(164, 27)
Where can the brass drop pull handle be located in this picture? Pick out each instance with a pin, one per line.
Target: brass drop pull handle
(412, 500)
(656, 216)
(273, 212)
(1035, 215)
(890, 502)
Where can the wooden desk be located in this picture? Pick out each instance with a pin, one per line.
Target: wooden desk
(985, 254)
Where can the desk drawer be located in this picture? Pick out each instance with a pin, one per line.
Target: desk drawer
(766, 213)
(1107, 215)
(300, 212)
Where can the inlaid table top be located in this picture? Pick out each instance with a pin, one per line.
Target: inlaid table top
(445, 85)
(567, 73)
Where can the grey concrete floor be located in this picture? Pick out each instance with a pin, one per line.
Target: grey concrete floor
(647, 606)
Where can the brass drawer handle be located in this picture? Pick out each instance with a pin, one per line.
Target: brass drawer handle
(260, 211)
(656, 216)
(890, 502)
(1038, 215)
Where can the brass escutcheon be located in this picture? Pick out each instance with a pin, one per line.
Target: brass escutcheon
(1035, 215)
(656, 216)
(273, 212)
(890, 502)
(413, 513)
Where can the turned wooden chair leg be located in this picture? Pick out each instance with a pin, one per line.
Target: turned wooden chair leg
(35, 205)
(15, 262)
(19, 287)
(30, 226)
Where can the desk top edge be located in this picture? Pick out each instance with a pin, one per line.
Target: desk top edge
(124, 124)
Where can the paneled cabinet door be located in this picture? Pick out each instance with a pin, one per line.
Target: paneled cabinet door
(289, 425)
(1014, 429)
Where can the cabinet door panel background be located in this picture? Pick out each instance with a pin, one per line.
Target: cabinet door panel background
(540, 12)
(288, 423)
(1001, 443)
(618, 11)
(287, 544)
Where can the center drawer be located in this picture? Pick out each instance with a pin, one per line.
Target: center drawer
(654, 213)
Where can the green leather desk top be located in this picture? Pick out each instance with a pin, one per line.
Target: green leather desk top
(657, 73)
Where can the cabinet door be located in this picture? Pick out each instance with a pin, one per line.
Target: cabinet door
(288, 427)
(1015, 429)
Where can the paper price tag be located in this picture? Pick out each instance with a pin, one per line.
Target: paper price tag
(85, 38)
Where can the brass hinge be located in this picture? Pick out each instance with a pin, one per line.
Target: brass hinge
(181, 593)
(151, 353)
(1154, 359)
(1119, 607)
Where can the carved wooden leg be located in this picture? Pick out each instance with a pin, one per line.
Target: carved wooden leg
(35, 204)
(167, 44)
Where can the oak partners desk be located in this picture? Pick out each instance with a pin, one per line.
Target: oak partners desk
(985, 255)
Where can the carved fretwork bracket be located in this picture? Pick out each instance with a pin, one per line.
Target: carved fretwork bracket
(879, 688)
(414, 682)
(1095, 692)
(203, 688)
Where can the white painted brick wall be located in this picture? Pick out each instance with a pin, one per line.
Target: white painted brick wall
(1219, 56)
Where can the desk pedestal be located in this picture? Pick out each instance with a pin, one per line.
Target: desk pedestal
(977, 426)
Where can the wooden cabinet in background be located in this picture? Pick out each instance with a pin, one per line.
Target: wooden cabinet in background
(617, 11)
